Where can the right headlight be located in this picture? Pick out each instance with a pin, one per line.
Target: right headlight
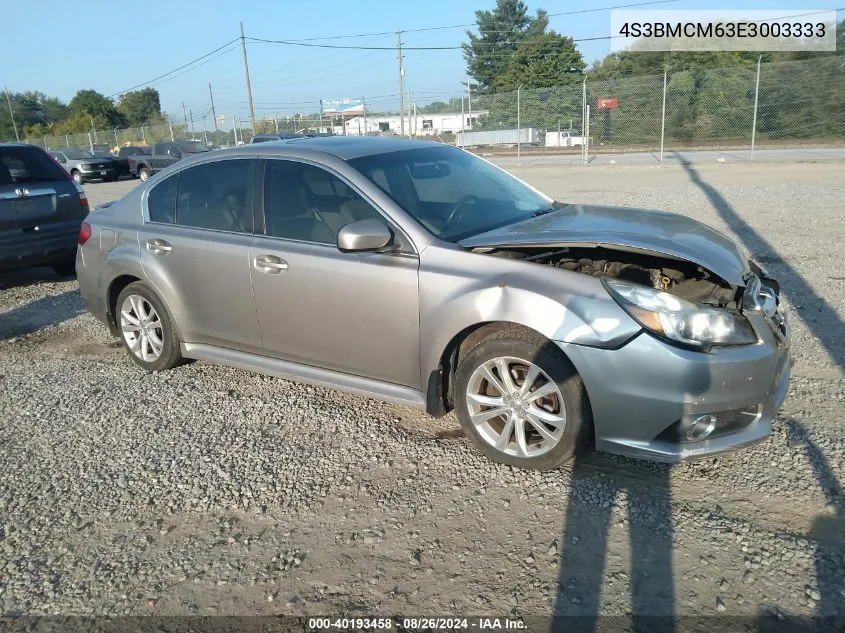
(679, 320)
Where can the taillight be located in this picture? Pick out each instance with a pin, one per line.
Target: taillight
(84, 233)
(83, 197)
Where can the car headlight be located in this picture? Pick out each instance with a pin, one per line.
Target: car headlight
(679, 320)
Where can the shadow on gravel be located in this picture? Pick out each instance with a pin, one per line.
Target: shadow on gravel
(29, 277)
(634, 497)
(39, 314)
(817, 314)
(828, 531)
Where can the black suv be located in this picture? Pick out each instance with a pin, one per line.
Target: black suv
(41, 210)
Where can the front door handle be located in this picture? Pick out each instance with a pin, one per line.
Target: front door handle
(159, 247)
(269, 264)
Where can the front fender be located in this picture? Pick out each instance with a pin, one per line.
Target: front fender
(561, 305)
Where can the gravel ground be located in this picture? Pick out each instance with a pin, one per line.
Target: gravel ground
(208, 490)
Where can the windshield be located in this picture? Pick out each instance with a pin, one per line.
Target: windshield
(192, 147)
(450, 192)
(78, 154)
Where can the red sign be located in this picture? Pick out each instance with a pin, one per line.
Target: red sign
(608, 104)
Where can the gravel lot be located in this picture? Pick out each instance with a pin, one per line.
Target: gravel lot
(209, 490)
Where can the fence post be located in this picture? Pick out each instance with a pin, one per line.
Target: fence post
(170, 125)
(663, 118)
(518, 126)
(584, 121)
(90, 142)
(143, 136)
(67, 140)
(756, 99)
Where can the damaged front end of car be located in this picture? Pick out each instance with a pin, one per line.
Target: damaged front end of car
(729, 371)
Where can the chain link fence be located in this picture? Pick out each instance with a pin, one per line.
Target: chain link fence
(774, 105)
(788, 104)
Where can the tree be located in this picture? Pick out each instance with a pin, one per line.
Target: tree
(139, 106)
(94, 104)
(547, 59)
(500, 32)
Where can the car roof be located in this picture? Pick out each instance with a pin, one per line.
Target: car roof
(342, 147)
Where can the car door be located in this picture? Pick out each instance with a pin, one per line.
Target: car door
(356, 313)
(163, 156)
(195, 242)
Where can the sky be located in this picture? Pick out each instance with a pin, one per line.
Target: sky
(115, 45)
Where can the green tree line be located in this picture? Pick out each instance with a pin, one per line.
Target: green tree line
(710, 95)
(37, 115)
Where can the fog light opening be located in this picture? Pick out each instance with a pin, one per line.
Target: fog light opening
(701, 427)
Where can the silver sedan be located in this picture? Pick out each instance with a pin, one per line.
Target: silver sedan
(421, 274)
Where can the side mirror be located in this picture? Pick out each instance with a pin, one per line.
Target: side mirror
(364, 235)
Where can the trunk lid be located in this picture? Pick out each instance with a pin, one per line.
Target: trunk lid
(34, 190)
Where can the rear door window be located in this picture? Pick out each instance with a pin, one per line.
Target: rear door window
(216, 196)
(20, 165)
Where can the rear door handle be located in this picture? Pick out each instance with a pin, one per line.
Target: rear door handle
(269, 264)
(159, 247)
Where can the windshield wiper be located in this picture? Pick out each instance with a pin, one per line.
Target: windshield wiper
(555, 205)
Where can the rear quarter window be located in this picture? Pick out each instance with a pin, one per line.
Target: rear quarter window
(27, 165)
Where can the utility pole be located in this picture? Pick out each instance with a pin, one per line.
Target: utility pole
(469, 100)
(401, 88)
(191, 112)
(12, 114)
(409, 113)
(185, 115)
(213, 113)
(248, 86)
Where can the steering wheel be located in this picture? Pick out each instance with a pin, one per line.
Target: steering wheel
(457, 210)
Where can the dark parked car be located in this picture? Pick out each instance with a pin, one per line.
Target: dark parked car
(83, 166)
(164, 155)
(422, 274)
(124, 153)
(41, 211)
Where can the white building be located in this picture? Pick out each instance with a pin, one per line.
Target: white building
(419, 125)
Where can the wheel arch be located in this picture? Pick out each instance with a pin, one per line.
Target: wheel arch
(115, 288)
(441, 380)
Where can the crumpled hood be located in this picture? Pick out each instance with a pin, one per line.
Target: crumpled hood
(629, 229)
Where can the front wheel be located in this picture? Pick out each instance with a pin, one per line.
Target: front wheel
(144, 174)
(522, 401)
(146, 328)
(77, 177)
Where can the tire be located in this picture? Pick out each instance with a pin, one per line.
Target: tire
(136, 300)
(77, 177)
(144, 174)
(517, 350)
(64, 268)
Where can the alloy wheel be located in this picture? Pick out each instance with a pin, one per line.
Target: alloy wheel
(141, 328)
(516, 407)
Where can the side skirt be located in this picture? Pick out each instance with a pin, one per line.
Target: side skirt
(368, 387)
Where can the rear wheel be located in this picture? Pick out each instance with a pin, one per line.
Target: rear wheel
(146, 328)
(144, 174)
(522, 401)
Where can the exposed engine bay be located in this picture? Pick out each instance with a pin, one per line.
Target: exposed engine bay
(678, 277)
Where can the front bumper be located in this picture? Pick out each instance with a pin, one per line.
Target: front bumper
(641, 389)
(99, 174)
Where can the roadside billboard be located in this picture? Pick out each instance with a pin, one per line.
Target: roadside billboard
(342, 106)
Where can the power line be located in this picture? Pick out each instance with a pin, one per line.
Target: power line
(190, 63)
(461, 26)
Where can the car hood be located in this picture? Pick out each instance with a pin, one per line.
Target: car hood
(636, 230)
